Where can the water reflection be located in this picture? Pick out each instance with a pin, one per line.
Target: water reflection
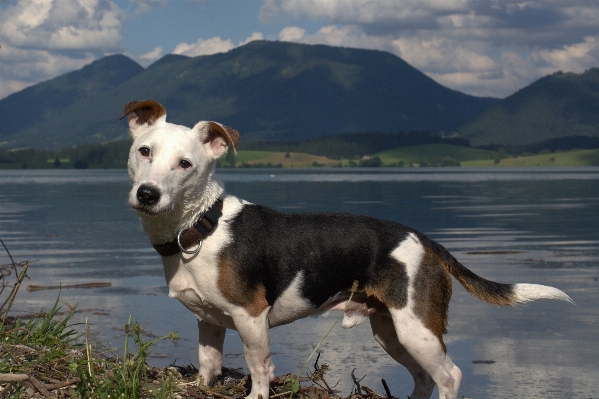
(523, 225)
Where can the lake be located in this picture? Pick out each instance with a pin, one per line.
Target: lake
(535, 225)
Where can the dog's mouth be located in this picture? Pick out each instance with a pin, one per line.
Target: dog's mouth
(147, 211)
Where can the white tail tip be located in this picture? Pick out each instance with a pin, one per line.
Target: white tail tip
(533, 292)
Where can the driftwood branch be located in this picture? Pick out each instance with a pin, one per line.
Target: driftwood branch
(59, 385)
(216, 394)
(26, 377)
(13, 377)
(38, 386)
(58, 287)
(13, 293)
(387, 390)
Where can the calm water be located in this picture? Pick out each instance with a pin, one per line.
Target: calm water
(75, 226)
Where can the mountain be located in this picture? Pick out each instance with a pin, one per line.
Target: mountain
(556, 106)
(40, 106)
(266, 90)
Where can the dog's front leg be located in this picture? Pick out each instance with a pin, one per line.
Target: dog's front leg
(212, 338)
(256, 344)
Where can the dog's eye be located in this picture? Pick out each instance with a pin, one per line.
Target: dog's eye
(185, 164)
(144, 152)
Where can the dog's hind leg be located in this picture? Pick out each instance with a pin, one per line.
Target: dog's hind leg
(212, 338)
(384, 333)
(428, 351)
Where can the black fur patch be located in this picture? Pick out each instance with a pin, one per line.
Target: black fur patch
(269, 248)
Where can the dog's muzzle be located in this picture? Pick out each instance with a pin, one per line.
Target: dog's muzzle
(147, 195)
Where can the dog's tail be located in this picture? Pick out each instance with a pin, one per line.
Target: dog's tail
(496, 293)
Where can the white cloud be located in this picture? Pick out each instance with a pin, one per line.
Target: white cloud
(144, 6)
(440, 54)
(8, 87)
(213, 45)
(42, 39)
(23, 67)
(291, 34)
(149, 57)
(363, 11)
(62, 25)
(204, 47)
(576, 57)
(252, 37)
(479, 47)
(346, 36)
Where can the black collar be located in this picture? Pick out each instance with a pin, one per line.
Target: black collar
(194, 235)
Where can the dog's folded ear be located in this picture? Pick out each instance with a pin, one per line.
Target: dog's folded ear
(142, 113)
(218, 137)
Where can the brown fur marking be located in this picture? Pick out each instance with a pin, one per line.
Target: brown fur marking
(230, 135)
(390, 286)
(146, 111)
(432, 292)
(252, 299)
(486, 290)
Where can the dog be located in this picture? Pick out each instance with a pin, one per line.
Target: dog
(243, 266)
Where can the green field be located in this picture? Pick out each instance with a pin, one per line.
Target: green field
(568, 158)
(251, 156)
(412, 156)
(286, 160)
(425, 155)
(432, 154)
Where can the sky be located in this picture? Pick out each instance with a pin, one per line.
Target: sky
(480, 47)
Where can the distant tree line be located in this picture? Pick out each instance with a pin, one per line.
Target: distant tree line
(108, 155)
(25, 156)
(551, 145)
(355, 146)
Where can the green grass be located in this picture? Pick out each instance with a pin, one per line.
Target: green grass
(431, 153)
(126, 377)
(569, 158)
(48, 346)
(292, 160)
(428, 154)
(52, 331)
(250, 156)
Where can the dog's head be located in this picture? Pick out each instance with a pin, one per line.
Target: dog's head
(170, 163)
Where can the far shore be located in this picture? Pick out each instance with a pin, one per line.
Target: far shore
(431, 155)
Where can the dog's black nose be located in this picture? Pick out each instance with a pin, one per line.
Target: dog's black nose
(148, 195)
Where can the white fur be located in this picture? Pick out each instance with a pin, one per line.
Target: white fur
(210, 350)
(416, 343)
(185, 194)
(256, 346)
(193, 279)
(410, 253)
(421, 345)
(290, 305)
(384, 333)
(534, 292)
(353, 319)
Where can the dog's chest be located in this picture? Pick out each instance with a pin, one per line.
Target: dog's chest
(196, 291)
